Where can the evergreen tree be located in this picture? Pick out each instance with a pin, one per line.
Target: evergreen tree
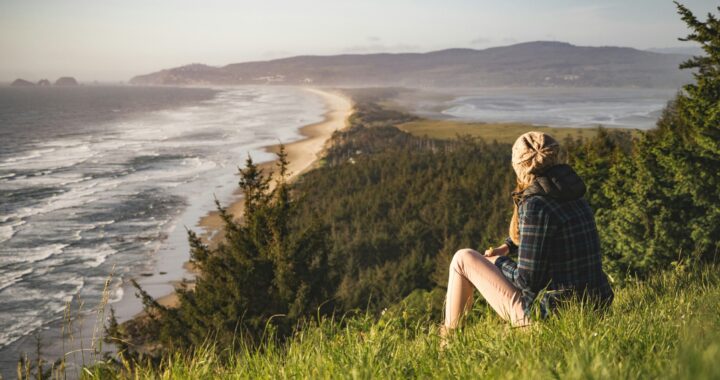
(690, 149)
(260, 281)
(664, 198)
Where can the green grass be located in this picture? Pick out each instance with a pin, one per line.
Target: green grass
(667, 327)
(502, 132)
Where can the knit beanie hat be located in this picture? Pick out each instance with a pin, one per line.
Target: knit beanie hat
(532, 153)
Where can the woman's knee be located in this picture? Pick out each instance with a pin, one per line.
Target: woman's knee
(461, 256)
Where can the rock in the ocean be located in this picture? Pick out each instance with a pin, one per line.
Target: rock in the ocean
(66, 81)
(22, 83)
(43, 82)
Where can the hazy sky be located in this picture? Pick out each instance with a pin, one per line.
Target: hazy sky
(114, 40)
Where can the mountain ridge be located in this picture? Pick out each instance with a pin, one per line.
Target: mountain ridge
(531, 64)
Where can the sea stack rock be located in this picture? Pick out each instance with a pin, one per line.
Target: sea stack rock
(43, 82)
(22, 83)
(66, 81)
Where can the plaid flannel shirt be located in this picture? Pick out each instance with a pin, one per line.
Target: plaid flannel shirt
(559, 251)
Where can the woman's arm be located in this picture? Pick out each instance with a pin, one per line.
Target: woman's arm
(512, 247)
(530, 273)
(502, 250)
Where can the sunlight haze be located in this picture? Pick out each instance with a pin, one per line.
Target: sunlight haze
(114, 40)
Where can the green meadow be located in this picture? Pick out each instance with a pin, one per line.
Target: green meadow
(666, 327)
(500, 132)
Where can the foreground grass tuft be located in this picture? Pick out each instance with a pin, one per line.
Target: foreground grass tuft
(666, 327)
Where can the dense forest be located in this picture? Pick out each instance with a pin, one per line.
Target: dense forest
(379, 220)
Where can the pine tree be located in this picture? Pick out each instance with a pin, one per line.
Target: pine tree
(665, 197)
(267, 274)
(693, 154)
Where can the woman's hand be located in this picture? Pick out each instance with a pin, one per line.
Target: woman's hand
(492, 259)
(502, 250)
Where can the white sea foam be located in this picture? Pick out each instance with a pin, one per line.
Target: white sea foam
(61, 155)
(91, 257)
(20, 326)
(7, 230)
(24, 157)
(29, 255)
(39, 302)
(12, 276)
(76, 196)
(95, 173)
(58, 226)
(50, 179)
(117, 294)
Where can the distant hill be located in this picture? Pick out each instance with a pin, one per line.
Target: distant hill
(532, 64)
(21, 83)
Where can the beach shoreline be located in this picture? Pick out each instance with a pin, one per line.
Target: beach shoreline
(164, 268)
(303, 155)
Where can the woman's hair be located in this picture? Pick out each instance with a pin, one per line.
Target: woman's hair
(532, 153)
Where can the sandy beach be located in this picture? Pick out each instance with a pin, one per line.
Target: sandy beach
(303, 155)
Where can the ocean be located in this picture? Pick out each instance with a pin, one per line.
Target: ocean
(100, 181)
(633, 108)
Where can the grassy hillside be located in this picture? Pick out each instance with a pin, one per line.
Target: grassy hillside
(500, 132)
(667, 327)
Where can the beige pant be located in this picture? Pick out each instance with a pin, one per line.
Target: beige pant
(470, 267)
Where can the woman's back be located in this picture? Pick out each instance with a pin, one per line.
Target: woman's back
(559, 239)
(553, 232)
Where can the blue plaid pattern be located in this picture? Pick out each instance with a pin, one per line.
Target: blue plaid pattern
(559, 251)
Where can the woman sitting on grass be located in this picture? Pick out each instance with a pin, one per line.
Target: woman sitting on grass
(554, 235)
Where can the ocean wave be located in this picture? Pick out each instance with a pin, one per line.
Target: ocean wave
(18, 327)
(8, 230)
(74, 197)
(60, 155)
(91, 257)
(14, 325)
(12, 276)
(25, 156)
(26, 181)
(192, 152)
(29, 255)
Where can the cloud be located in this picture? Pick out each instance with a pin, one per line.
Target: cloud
(481, 41)
(382, 48)
(272, 54)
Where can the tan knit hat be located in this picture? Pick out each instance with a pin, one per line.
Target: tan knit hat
(533, 152)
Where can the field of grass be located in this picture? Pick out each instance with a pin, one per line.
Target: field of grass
(667, 327)
(502, 132)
